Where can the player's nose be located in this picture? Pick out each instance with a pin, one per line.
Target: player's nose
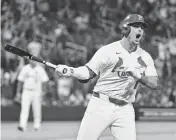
(140, 29)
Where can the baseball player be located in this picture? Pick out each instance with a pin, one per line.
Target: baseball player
(120, 66)
(31, 80)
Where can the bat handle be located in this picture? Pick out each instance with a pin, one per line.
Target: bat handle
(50, 65)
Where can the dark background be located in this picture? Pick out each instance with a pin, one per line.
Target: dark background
(70, 31)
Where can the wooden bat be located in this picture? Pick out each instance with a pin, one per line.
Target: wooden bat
(22, 53)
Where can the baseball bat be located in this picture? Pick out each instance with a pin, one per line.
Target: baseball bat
(22, 53)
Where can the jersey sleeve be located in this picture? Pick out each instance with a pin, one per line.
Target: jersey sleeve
(44, 75)
(98, 61)
(150, 68)
(21, 75)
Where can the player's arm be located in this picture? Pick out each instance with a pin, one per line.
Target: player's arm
(150, 77)
(20, 82)
(45, 80)
(17, 98)
(81, 73)
(150, 81)
(89, 71)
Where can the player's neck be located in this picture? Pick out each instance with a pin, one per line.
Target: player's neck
(32, 65)
(127, 45)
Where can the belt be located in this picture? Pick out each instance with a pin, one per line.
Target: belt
(110, 99)
(29, 89)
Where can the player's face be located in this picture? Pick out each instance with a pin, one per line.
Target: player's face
(137, 31)
(33, 63)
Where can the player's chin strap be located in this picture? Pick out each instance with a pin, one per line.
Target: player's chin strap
(125, 30)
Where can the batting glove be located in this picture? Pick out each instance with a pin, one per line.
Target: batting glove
(134, 73)
(64, 70)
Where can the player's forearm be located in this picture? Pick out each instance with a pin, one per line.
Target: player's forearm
(150, 81)
(81, 73)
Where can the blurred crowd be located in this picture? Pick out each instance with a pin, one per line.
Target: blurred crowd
(70, 31)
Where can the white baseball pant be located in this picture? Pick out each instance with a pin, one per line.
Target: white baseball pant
(30, 97)
(101, 114)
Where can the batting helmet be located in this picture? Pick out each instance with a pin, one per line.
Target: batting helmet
(130, 20)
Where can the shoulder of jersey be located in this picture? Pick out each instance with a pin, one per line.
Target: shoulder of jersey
(41, 66)
(144, 54)
(26, 66)
(109, 46)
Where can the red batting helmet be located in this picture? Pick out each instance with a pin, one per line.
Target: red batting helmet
(130, 20)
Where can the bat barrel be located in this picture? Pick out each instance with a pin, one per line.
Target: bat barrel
(27, 55)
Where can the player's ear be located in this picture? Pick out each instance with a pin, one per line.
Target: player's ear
(125, 30)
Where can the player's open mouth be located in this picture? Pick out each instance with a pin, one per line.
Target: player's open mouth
(138, 36)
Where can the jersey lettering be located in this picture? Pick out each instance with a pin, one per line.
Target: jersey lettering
(123, 74)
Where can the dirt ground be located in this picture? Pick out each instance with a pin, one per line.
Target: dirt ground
(67, 130)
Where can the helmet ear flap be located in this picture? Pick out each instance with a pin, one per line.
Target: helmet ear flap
(126, 30)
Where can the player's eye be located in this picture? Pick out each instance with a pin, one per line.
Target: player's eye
(137, 25)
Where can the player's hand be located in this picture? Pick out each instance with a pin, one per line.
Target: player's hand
(64, 70)
(134, 73)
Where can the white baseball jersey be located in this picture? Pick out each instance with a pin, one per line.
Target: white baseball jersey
(110, 63)
(33, 77)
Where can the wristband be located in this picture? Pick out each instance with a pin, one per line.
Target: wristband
(69, 71)
(139, 76)
(65, 70)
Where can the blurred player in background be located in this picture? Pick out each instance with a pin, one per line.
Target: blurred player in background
(31, 81)
(120, 67)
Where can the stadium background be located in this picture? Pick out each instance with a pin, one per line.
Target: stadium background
(70, 31)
